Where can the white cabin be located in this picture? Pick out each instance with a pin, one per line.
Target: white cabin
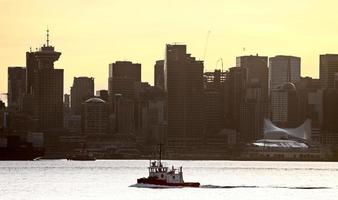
(156, 169)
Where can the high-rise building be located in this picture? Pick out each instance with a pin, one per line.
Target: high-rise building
(283, 69)
(253, 110)
(284, 106)
(328, 69)
(257, 69)
(82, 89)
(125, 69)
(214, 94)
(95, 116)
(235, 87)
(183, 76)
(159, 74)
(122, 78)
(45, 86)
(16, 87)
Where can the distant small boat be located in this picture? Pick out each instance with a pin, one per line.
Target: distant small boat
(83, 155)
(160, 175)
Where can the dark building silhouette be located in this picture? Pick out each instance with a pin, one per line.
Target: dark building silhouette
(284, 106)
(257, 69)
(253, 110)
(122, 78)
(66, 104)
(235, 88)
(31, 69)
(82, 89)
(95, 116)
(159, 74)
(214, 94)
(214, 80)
(184, 87)
(16, 87)
(328, 70)
(125, 69)
(102, 94)
(45, 87)
(283, 69)
(309, 100)
(330, 110)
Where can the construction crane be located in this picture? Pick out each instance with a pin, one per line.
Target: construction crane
(206, 45)
(219, 60)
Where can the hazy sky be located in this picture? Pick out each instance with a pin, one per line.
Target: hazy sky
(93, 33)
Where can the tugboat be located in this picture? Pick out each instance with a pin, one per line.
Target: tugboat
(162, 176)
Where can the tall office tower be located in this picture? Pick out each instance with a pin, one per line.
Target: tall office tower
(31, 69)
(95, 116)
(284, 106)
(159, 74)
(82, 89)
(258, 71)
(45, 86)
(183, 77)
(16, 87)
(235, 94)
(125, 69)
(330, 115)
(214, 93)
(122, 78)
(283, 69)
(328, 69)
(253, 111)
(310, 100)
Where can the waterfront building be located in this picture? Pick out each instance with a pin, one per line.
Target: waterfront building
(283, 69)
(183, 82)
(16, 88)
(82, 89)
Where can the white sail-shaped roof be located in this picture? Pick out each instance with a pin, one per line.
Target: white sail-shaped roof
(271, 131)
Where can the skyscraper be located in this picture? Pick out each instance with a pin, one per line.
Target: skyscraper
(184, 85)
(283, 69)
(125, 69)
(122, 78)
(284, 106)
(82, 89)
(328, 69)
(159, 74)
(95, 116)
(45, 85)
(236, 84)
(16, 87)
(257, 69)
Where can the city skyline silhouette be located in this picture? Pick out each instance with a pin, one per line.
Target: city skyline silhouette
(94, 35)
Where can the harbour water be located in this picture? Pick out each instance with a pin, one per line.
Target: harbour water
(115, 179)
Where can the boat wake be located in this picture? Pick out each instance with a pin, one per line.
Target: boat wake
(229, 187)
(254, 186)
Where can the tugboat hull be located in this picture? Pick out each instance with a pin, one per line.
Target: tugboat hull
(165, 183)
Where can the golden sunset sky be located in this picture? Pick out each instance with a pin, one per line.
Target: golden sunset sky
(93, 33)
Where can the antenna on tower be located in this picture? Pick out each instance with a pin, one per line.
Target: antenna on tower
(220, 60)
(206, 45)
(47, 36)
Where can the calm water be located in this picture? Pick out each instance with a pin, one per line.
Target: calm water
(61, 179)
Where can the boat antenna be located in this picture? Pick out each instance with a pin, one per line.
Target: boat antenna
(160, 152)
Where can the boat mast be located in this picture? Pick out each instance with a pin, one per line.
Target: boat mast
(160, 152)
